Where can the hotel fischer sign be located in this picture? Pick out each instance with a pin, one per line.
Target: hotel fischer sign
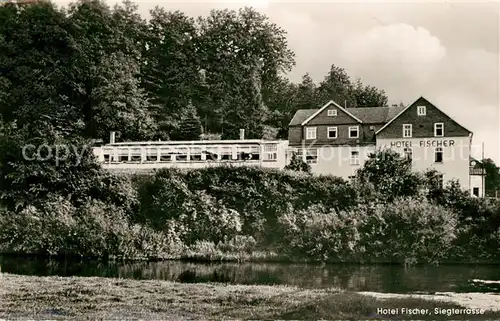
(422, 143)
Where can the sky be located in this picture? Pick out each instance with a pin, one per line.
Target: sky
(447, 52)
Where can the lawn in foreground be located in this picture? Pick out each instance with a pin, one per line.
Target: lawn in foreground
(106, 298)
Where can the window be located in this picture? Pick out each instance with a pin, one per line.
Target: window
(408, 153)
(136, 155)
(271, 152)
(421, 111)
(438, 181)
(312, 156)
(311, 133)
(372, 128)
(438, 155)
(475, 191)
(182, 154)
(166, 155)
(354, 158)
(438, 129)
(151, 155)
(226, 153)
(354, 132)
(136, 158)
(299, 153)
(332, 132)
(195, 154)
(250, 153)
(332, 112)
(407, 132)
(211, 153)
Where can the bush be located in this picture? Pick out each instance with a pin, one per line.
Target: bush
(262, 195)
(407, 231)
(238, 244)
(95, 229)
(320, 235)
(205, 218)
(298, 165)
(391, 176)
(478, 230)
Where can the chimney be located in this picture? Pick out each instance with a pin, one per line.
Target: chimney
(242, 134)
(112, 137)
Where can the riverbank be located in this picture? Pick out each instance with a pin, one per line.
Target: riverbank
(106, 298)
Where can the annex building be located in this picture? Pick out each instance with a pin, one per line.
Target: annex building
(337, 140)
(332, 139)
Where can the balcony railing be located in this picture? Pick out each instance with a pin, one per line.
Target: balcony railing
(477, 171)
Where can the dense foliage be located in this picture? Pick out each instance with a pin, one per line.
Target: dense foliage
(236, 212)
(89, 69)
(69, 76)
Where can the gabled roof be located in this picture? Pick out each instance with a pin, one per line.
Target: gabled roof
(409, 106)
(367, 115)
(331, 102)
(301, 115)
(375, 115)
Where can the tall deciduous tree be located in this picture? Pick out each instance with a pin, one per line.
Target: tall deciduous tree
(171, 72)
(105, 75)
(37, 50)
(307, 95)
(369, 96)
(337, 86)
(243, 54)
(281, 102)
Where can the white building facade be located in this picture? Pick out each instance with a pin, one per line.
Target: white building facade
(336, 140)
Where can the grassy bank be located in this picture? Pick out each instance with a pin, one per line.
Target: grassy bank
(102, 298)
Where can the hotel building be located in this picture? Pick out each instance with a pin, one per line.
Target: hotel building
(332, 139)
(337, 140)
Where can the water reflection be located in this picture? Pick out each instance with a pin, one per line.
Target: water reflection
(380, 278)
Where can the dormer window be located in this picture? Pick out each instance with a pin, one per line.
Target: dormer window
(421, 111)
(332, 112)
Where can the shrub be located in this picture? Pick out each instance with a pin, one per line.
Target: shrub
(94, 229)
(391, 176)
(407, 231)
(477, 231)
(320, 235)
(205, 218)
(35, 230)
(238, 244)
(205, 250)
(298, 165)
(262, 195)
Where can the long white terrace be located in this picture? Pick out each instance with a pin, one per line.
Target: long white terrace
(150, 155)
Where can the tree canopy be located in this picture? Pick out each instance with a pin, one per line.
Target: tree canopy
(69, 76)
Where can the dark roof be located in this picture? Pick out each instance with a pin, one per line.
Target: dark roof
(368, 115)
(301, 115)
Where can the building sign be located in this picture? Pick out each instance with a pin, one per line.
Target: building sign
(423, 143)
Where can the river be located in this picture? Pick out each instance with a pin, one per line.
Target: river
(376, 278)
